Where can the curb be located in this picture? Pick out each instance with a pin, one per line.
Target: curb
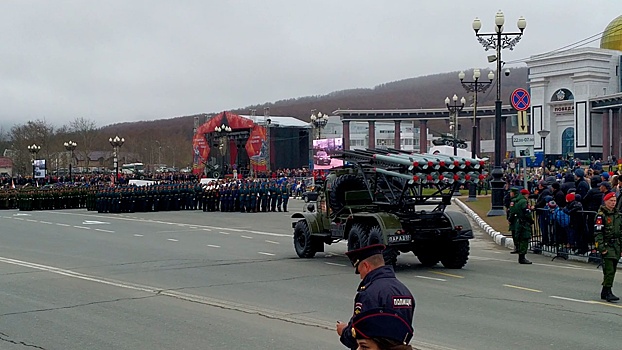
(497, 236)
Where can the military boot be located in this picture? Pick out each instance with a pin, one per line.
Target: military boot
(610, 296)
(523, 260)
(515, 251)
(603, 293)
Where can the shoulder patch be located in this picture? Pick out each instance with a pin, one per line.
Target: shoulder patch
(402, 302)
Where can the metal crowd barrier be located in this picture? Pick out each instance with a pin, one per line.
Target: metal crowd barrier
(577, 239)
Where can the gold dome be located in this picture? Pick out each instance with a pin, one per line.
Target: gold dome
(612, 36)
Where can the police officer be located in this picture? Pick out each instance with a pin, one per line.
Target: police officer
(379, 288)
(608, 237)
(520, 219)
(379, 329)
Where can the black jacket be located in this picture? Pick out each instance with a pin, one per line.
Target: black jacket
(380, 289)
(592, 200)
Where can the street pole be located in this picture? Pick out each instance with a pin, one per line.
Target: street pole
(116, 143)
(70, 146)
(454, 109)
(266, 115)
(498, 40)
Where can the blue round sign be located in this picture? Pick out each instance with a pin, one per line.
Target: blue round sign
(520, 99)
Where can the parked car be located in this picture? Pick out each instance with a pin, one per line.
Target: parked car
(309, 196)
(321, 158)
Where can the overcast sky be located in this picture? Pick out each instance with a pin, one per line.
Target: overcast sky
(114, 61)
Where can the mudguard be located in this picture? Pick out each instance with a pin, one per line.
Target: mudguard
(313, 220)
(389, 223)
(459, 219)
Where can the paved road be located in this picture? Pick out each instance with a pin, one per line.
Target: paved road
(194, 280)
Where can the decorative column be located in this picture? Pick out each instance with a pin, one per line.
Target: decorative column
(423, 136)
(615, 130)
(606, 136)
(371, 134)
(346, 134)
(398, 129)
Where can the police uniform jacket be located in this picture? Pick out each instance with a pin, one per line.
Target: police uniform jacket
(380, 289)
(608, 232)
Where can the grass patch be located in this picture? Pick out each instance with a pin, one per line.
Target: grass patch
(481, 207)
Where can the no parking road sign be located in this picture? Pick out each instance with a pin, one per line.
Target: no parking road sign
(520, 99)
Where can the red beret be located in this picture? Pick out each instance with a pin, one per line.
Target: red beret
(570, 197)
(524, 191)
(608, 196)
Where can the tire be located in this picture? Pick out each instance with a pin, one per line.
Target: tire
(305, 198)
(303, 241)
(377, 237)
(457, 255)
(357, 237)
(216, 175)
(343, 183)
(462, 145)
(428, 257)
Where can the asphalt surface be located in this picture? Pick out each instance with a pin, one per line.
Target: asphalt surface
(191, 280)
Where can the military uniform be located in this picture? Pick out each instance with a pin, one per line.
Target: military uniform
(521, 220)
(608, 238)
(379, 289)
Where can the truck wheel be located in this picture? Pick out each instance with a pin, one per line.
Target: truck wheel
(357, 238)
(343, 183)
(428, 258)
(456, 255)
(377, 237)
(305, 198)
(303, 242)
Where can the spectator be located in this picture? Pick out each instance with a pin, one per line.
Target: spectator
(574, 231)
(558, 195)
(594, 197)
(580, 184)
(567, 184)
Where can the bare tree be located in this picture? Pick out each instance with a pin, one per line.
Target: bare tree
(85, 131)
(33, 132)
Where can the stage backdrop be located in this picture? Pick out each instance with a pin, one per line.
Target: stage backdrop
(255, 146)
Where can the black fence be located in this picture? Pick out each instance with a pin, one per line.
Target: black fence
(576, 239)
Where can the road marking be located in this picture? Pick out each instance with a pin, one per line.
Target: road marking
(225, 233)
(447, 274)
(247, 237)
(431, 278)
(46, 222)
(272, 242)
(172, 240)
(20, 214)
(137, 235)
(522, 288)
(82, 227)
(213, 246)
(101, 230)
(587, 301)
(207, 229)
(19, 219)
(31, 220)
(93, 222)
(269, 254)
(334, 264)
(65, 225)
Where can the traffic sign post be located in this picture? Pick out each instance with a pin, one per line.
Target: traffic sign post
(523, 122)
(520, 99)
(523, 140)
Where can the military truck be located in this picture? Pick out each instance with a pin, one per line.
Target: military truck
(395, 198)
(448, 140)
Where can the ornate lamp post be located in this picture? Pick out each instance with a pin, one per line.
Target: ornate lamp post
(70, 146)
(543, 134)
(454, 109)
(33, 149)
(116, 143)
(222, 133)
(319, 122)
(498, 40)
(475, 87)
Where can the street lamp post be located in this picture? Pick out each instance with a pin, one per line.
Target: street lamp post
(222, 133)
(475, 86)
(498, 41)
(33, 149)
(70, 146)
(319, 122)
(543, 134)
(454, 109)
(116, 143)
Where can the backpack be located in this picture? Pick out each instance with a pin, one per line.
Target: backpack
(561, 218)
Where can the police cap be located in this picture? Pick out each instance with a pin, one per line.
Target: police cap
(358, 255)
(381, 323)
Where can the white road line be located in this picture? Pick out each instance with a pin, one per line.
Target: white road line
(269, 254)
(213, 246)
(207, 229)
(334, 264)
(432, 278)
(522, 288)
(172, 240)
(31, 220)
(137, 235)
(272, 242)
(65, 225)
(225, 233)
(46, 222)
(247, 237)
(82, 227)
(19, 219)
(102, 230)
